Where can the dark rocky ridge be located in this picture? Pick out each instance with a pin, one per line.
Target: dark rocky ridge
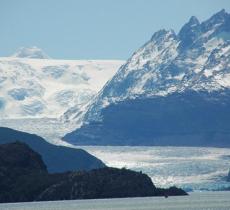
(56, 158)
(23, 177)
(13, 156)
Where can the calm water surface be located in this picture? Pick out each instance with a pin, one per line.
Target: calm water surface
(196, 201)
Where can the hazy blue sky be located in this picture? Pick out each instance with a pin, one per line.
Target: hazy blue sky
(94, 29)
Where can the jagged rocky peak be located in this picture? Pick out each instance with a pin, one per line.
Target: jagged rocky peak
(195, 59)
(30, 52)
(193, 21)
(218, 22)
(163, 34)
(219, 17)
(172, 63)
(189, 32)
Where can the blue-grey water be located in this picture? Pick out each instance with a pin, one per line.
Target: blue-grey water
(196, 201)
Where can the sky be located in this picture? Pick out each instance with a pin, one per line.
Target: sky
(94, 29)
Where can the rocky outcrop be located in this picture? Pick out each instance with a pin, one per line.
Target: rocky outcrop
(23, 174)
(19, 155)
(101, 183)
(24, 177)
(106, 183)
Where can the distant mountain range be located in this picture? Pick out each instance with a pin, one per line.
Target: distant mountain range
(174, 90)
(32, 52)
(32, 85)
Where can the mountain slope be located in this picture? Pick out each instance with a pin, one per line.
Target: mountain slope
(174, 90)
(56, 158)
(44, 87)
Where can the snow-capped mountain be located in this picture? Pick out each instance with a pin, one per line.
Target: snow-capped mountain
(46, 87)
(190, 70)
(31, 52)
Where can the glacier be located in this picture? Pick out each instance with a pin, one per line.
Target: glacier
(33, 85)
(191, 168)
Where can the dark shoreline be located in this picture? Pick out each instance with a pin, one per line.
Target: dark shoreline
(24, 177)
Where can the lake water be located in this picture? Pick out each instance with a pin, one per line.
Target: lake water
(196, 201)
